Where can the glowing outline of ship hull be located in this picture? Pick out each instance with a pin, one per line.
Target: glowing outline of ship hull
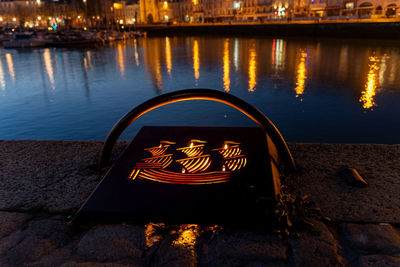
(153, 168)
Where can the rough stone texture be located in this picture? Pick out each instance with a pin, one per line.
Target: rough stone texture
(371, 238)
(39, 180)
(316, 250)
(112, 242)
(55, 230)
(35, 174)
(11, 221)
(94, 264)
(378, 261)
(28, 250)
(55, 258)
(251, 247)
(177, 249)
(9, 242)
(319, 178)
(54, 176)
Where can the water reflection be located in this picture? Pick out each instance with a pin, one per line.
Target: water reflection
(236, 54)
(330, 72)
(136, 53)
(89, 59)
(252, 69)
(196, 60)
(2, 80)
(227, 63)
(301, 75)
(49, 67)
(168, 55)
(10, 65)
(278, 55)
(121, 60)
(152, 60)
(367, 96)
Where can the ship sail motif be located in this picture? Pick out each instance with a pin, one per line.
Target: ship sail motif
(196, 161)
(232, 154)
(194, 167)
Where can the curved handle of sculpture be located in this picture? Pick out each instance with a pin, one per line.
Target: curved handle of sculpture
(198, 94)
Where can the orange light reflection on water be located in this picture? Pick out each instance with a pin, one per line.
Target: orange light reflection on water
(196, 60)
(227, 63)
(301, 75)
(252, 70)
(168, 55)
(121, 61)
(367, 96)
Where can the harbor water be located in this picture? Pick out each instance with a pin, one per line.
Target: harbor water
(313, 90)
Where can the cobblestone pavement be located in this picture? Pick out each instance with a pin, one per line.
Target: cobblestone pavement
(41, 183)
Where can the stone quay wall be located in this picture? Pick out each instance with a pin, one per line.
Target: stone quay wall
(43, 182)
(389, 29)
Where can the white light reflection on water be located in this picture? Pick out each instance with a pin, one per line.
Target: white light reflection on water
(10, 65)
(49, 67)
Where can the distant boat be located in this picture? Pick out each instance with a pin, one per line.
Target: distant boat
(24, 40)
(194, 166)
(70, 39)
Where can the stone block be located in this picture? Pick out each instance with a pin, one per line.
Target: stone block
(95, 264)
(11, 221)
(251, 247)
(112, 242)
(55, 258)
(54, 229)
(378, 261)
(30, 249)
(178, 249)
(311, 250)
(372, 238)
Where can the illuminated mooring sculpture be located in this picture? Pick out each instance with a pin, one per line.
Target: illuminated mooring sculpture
(183, 174)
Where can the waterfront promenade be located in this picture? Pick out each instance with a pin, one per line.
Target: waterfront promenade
(323, 27)
(44, 182)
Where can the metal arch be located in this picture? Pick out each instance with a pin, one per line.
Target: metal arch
(198, 94)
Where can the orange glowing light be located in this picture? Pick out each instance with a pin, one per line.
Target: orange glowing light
(150, 232)
(301, 73)
(196, 60)
(252, 70)
(187, 236)
(168, 55)
(367, 97)
(232, 154)
(121, 61)
(117, 6)
(194, 167)
(227, 64)
(165, 5)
